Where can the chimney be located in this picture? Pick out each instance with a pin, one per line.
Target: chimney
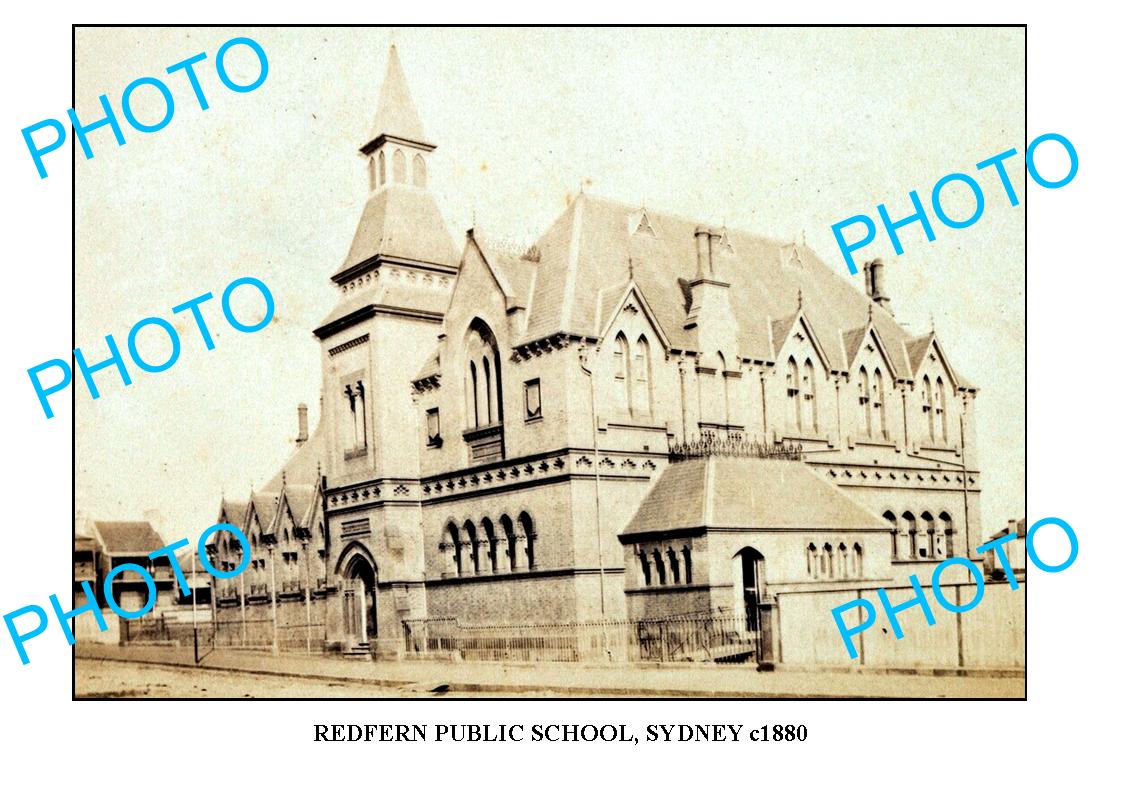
(301, 424)
(875, 276)
(705, 263)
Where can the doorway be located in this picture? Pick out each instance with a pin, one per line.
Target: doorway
(360, 614)
(752, 571)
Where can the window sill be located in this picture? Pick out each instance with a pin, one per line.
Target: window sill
(535, 419)
(354, 453)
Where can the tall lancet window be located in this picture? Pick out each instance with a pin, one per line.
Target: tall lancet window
(811, 410)
(864, 401)
(795, 418)
(641, 373)
(483, 386)
(381, 167)
(879, 401)
(620, 366)
(355, 395)
(926, 407)
(941, 416)
(420, 176)
(398, 161)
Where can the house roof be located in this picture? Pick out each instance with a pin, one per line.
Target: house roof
(591, 247)
(754, 494)
(128, 537)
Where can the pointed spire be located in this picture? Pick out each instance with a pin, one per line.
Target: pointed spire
(396, 116)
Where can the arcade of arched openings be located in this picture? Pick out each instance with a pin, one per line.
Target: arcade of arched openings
(489, 547)
(921, 536)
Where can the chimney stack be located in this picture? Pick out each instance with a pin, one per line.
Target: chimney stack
(875, 283)
(302, 424)
(705, 262)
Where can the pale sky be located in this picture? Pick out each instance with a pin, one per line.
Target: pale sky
(778, 132)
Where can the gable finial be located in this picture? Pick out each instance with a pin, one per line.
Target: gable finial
(799, 297)
(284, 479)
(803, 237)
(631, 270)
(932, 322)
(869, 316)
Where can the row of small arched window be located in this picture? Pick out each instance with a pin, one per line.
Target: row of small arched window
(489, 548)
(830, 562)
(803, 413)
(666, 567)
(398, 169)
(931, 537)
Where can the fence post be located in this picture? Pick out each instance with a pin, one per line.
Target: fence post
(765, 655)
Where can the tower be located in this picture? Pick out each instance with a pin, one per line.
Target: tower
(394, 287)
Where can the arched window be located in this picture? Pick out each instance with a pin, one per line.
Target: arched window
(687, 566)
(399, 165)
(812, 560)
(620, 365)
(451, 547)
(419, 175)
(492, 558)
(512, 551)
(948, 533)
(864, 401)
(812, 420)
(879, 401)
(526, 530)
(487, 389)
(473, 395)
(381, 167)
(471, 548)
(645, 566)
(641, 372)
(929, 548)
(940, 408)
(910, 529)
(843, 560)
(660, 569)
(926, 399)
(892, 520)
(484, 386)
(828, 560)
(672, 559)
(795, 418)
(857, 560)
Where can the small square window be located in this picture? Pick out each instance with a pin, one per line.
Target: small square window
(433, 427)
(532, 394)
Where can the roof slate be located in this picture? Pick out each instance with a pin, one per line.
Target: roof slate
(590, 248)
(128, 537)
(755, 494)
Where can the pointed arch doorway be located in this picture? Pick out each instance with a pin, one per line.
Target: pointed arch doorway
(748, 575)
(360, 601)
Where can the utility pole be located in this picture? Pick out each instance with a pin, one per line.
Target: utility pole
(596, 472)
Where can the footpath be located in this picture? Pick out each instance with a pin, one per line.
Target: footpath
(455, 678)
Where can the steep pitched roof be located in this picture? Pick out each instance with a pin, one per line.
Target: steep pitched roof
(264, 505)
(304, 464)
(128, 537)
(397, 115)
(588, 248)
(754, 494)
(234, 511)
(403, 222)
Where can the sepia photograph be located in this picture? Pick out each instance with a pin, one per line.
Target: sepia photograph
(528, 363)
